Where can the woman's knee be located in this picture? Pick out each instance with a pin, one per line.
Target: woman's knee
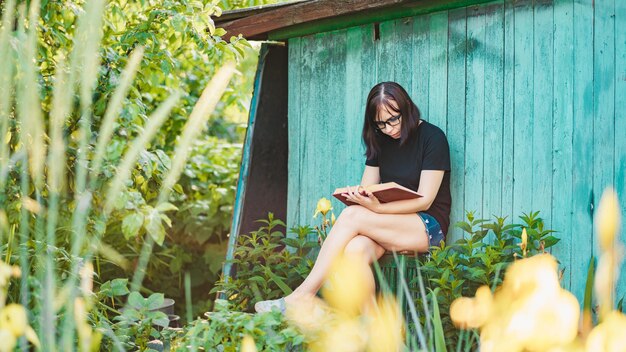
(355, 213)
(362, 245)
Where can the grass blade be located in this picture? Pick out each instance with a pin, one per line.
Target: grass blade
(195, 125)
(130, 157)
(113, 109)
(440, 340)
(6, 87)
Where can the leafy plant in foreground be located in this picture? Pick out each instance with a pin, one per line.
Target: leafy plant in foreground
(224, 330)
(268, 264)
(136, 324)
(479, 258)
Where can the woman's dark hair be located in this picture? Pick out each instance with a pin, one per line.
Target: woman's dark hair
(379, 98)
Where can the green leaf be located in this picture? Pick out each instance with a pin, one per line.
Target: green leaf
(550, 241)
(132, 224)
(588, 298)
(160, 319)
(464, 226)
(136, 300)
(115, 287)
(165, 206)
(154, 301)
(278, 281)
(154, 226)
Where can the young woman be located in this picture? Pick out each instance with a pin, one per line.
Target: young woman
(401, 148)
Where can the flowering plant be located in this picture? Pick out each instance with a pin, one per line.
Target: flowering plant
(323, 207)
(530, 311)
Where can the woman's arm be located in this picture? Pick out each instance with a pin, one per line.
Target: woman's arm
(430, 180)
(371, 176)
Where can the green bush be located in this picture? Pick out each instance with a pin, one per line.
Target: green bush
(224, 330)
(480, 258)
(66, 125)
(267, 264)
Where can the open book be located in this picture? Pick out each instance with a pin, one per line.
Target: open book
(385, 192)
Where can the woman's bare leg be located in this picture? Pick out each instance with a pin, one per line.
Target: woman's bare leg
(370, 251)
(391, 231)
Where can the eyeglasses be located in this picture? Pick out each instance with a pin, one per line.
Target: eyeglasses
(392, 121)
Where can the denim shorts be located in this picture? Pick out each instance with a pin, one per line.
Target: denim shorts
(433, 229)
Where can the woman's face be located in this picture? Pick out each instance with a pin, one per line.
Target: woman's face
(388, 120)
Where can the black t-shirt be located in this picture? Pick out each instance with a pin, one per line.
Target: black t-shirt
(426, 149)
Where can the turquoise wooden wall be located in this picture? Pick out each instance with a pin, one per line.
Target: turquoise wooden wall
(531, 94)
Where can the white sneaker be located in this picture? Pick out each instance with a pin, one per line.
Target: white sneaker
(269, 305)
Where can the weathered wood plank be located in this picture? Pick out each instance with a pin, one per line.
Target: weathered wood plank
(457, 24)
(294, 127)
(404, 54)
(542, 109)
(582, 174)
(620, 123)
(309, 114)
(475, 110)
(354, 100)
(494, 113)
(386, 53)
(508, 104)
(562, 158)
(333, 86)
(438, 52)
(369, 78)
(421, 64)
(604, 99)
(523, 109)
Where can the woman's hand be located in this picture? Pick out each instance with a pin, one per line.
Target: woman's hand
(363, 197)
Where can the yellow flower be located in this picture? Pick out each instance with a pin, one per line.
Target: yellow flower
(31, 205)
(344, 334)
(86, 278)
(385, 326)
(468, 313)
(524, 243)
(535, 273)
(606, 276)
(346, 288)
(607, 219)
(82, 327)
(530, 310)
(333, 219)
(13, 318)
(323, 207)
(8, 340)
(310, 316)
(248, 345)
(6, 272)
(609, 334)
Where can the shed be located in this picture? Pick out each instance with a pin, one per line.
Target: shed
(530, 93)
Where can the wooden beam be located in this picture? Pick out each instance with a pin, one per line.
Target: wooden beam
(353, 19)
(257, 26)
(316, 16)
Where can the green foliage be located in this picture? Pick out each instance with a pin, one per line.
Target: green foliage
(265, 267)
(136, 324)
(480, 258)
(183, 49)
(238, 4)
(209, 187)
(224, 329)
(61, 75)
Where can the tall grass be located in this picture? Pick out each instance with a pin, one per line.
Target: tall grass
(33, 151)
